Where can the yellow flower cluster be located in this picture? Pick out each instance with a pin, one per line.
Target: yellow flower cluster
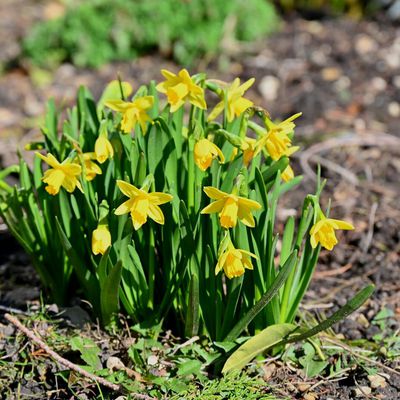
(231, 208)
(179, 89)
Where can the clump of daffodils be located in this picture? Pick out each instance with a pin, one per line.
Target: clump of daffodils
(145, 199)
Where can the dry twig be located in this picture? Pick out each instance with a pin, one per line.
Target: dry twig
(67, 363)
(381, 139)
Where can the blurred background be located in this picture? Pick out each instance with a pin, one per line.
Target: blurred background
(337, 61)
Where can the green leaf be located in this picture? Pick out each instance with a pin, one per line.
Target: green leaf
(85, 276)
(114, 90)
(109, 293)
(89, 350)
(266, 339)
(287, 239)
(269, 174)
(193, 315)
(265, 299)
(232, 173)
(357, 301)
(190, 367)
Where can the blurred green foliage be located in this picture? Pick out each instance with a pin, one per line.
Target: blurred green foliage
(353, 8)
(95, 32)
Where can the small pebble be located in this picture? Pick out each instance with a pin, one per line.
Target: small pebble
(377, 381)
(362, 391)
(269, 87)
(378, 83)
(394, 109)
(364, 44)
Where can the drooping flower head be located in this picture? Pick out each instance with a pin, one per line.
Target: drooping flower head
(230, 207)
(101, 239)
(234, 261)
(277, 141)
(204, 152)
(249, 149)
(141, 204)
(235, 102)
(323, 231)
(133, 112)
(103, 149)
(91, 168)
(181, 88)
(63, 174)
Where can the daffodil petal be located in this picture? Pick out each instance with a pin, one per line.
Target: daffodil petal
(247, 219)
(117, 105)
(248, 253)
(246, 85)
(214, 193)
(127, 189)
(216, 111)
(49, 159)
(214, 207)
(313, 242)
(156, 214)
(252, 204)
(339, 224)
(158, 198)
(125, 207)
(315, 228)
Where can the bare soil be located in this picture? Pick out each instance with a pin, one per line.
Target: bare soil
(345, 78)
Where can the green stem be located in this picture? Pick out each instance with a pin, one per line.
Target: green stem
(256, 128)
(152, 263)
(191, 176)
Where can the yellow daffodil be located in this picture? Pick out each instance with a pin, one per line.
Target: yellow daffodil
(101, 239)
(249, 149)
(204, 152)
(323, 231)
(287, 174)
(230, 207)
(142, 204)
(63, 174)
(180, 88)
(234, 261)
(91, 168)
(277, 141)
(236, 103)
(133, 112)
(103, 149)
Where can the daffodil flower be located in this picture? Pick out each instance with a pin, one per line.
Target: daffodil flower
(249, 148)
(236, 103)
(142, 204)
(234, 261)
(63, 174)
(230, 207)
(323, 231)
(103, 149)
(180, 88)
(204, 152)
(287, 174)
(277, 141)
(101, 239)
(91, 168)
(133, 112)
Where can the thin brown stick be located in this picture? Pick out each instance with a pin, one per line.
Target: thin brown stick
(332, 272)
(364, 358)
(370, 139)
(69, 364)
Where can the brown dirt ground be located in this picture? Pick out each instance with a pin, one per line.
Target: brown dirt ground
(345, 78)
